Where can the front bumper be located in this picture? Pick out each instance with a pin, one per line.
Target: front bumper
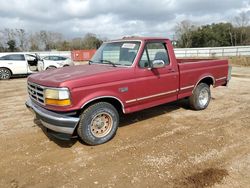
(53, 121)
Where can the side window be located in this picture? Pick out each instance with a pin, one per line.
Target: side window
(144, 63)
(21, 57)
(3, 58)
(154, 51)
(56, 58)
(46, 58)
(62, 58)
(14, 57)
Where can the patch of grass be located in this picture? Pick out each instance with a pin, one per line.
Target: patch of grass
(239, 61)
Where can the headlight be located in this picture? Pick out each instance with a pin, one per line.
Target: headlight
(58, 97)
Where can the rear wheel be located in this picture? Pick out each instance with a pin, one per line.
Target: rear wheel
(5, 74)
(50, 67)
(98, 123)
(200, 97)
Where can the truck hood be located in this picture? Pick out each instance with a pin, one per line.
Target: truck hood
(68, 75)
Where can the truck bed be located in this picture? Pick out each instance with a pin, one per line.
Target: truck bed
(188, 60)
(193, 70)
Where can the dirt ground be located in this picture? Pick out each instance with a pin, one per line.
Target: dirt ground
(166, 146)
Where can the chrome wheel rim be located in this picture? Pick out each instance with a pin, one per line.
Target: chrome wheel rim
(4, 74)
(101, 125)
(203, 97)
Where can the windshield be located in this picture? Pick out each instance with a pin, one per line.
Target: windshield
(117, 53)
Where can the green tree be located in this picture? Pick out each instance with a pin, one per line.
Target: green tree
(216, 34)
(11, 45)
(1, 48)
(63, 46)
(184, 32)
(90, 41)
(76, 44)
(241, 22)
(212, 35)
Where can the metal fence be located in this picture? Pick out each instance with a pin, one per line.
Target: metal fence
(213, 51)
(188, 52)
(179, 52)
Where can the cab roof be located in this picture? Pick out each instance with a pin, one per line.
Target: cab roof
(140, 38)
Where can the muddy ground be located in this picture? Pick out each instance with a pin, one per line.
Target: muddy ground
(166, 146)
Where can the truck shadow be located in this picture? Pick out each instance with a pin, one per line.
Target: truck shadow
(65, 142)
(125, 120)
(128, 119)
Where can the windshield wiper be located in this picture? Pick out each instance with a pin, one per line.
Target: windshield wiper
(103, 60)
(108, 62)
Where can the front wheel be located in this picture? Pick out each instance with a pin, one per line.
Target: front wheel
(98, 123)
(50, 67)
(201, 97)
(5, 74)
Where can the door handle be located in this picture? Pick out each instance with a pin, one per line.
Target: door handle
(10, 63)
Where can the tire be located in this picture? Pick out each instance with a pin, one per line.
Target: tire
(50, 67)
(201, 97)
(98, 123)
(5, 74)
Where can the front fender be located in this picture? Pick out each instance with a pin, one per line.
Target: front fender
(99, 95)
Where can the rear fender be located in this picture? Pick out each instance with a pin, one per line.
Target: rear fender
(203, 77)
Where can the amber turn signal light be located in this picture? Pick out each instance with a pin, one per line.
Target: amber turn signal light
(57, 102)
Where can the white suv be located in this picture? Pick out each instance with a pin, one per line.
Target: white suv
(18, 64)
(53, 61)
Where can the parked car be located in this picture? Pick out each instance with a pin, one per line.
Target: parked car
(53, 61)
(18, 64)
(124, 76)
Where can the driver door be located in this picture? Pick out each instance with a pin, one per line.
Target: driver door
(156, 85)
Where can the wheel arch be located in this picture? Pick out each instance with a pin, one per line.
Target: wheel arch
(209, 80)
(117, 103)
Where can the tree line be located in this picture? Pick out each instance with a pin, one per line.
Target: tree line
(14, 40)
(236, 33)
(187, 34)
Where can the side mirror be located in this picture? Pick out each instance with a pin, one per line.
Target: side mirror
(156, 64)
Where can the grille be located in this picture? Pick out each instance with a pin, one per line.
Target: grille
(36, 92)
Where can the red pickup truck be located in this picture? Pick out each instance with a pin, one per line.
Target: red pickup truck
(124, 76)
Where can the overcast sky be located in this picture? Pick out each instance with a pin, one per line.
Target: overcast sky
(115, 18)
